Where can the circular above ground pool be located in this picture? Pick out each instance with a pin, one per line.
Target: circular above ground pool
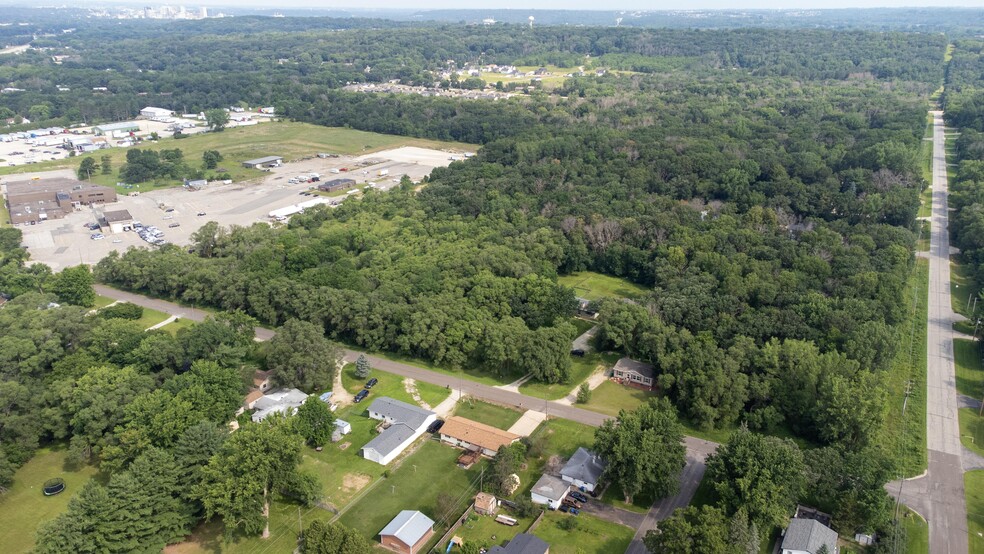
(54, 486)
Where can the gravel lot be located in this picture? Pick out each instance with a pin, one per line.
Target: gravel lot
(65, 242)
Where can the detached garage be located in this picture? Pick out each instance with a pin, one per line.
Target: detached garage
(118, 221)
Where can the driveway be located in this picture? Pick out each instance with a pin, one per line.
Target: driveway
(584, 341)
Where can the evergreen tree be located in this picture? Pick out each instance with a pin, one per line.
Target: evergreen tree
(362, 367)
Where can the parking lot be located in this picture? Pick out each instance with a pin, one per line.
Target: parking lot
(66, 242)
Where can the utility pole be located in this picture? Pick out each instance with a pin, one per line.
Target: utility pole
(300, 526)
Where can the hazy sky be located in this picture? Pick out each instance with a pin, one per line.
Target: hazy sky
(596, 5)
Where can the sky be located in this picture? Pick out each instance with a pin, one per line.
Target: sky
(595, 5)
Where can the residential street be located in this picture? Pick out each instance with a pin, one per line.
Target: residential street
(939, 494)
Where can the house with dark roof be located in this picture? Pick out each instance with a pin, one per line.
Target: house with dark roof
(550, 491)
(583, 470)
(523, 543)
(403, 423)
(808, 536)
(407, 533)
(632, 372)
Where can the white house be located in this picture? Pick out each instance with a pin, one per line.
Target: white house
(807, 536)
(629, 371)
(152, 112)
(550, 491)
(406, 424)
(277, 402)
(583, 470)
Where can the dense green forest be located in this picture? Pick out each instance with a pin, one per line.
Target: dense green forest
(763, 191)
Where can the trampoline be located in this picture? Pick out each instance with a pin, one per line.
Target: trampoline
(54, 486)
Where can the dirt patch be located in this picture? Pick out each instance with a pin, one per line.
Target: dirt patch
(354, 482)
(344, 445)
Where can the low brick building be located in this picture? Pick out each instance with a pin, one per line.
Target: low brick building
(44, 199)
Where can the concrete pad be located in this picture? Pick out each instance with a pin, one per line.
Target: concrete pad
(528, 423)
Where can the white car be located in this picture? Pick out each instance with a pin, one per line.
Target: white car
(97, 236)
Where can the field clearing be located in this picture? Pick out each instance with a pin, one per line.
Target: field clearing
(23, 508)
(594, 286)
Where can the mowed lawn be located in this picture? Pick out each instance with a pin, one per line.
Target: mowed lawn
(592, 535)
(594, 286)
(971, 429)
(974, 491)
(611, 397)
(415, 485)
(970, 374)
(489, 414)
(390, 385)
(581, 369)
(24, 506)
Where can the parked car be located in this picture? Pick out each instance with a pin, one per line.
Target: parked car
(175, 224)
(570, 502)
(200, 214)
(436, 426)
(575, 511)
(371, 383)
(361, 396)
(564, 508)
(169, 210)
(578, 496)
(577, 352)
(97, 236)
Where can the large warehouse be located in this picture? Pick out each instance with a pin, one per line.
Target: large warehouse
(36, 201)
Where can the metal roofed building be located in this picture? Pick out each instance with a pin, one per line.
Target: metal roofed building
(407, 533)
(122, 127)
(260, 162)
(584, 469)
(807, 536)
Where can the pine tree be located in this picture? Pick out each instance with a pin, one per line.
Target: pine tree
(82, 527)
(362, 367)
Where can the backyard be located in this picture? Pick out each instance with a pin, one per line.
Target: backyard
(591, 536)
(594, 286)
(23, 507)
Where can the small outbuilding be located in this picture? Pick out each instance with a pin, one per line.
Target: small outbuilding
(269, 161)
(549, 491)
(486, 504)
(118, 221)
(583, 470)
(629, 371)
(343, 426)
(408, 533)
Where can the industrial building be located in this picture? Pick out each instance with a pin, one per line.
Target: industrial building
(336, 184)
(118, 221)
(152, 112)
(268, 161)
(32, 202)
(116, 129)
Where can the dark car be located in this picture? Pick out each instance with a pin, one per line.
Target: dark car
(200, 214)
(174, 225)
(578, 496)
(436, 426)
(371, 383)
(564, 508)
(575, 511)
(361, 396)
(577, 352)
(169, 210)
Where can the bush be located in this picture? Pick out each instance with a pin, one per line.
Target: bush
(123, 310)
(568, 523)
(525, 507)
(583, 394)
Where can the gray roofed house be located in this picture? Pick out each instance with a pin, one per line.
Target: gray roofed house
(278, 401)
(522, 543)
(634, 372)
(393, 411)
(407, 531)
(806, 536)
(549, 490)
(584, 469)
(406, 423)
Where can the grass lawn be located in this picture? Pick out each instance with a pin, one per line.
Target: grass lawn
(479, 375)
(962, 288)
(971, 429)
(102, 301)
(24, 507)
(970, 373)
(484, 531)
(904, 439)
(415, 485)
(178, 325)
(151, 318)
(917, 532)
(4, 215)
(922, 245)
(611, 397)
(593, 286)
(592, 535)
(582, 325)
(389, 385)
(489, 414)
(288, 139)
(974, 490)
(581, 368)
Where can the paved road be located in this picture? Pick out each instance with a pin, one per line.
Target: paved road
(697, 449)
(939, 494)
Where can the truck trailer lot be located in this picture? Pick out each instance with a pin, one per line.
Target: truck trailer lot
(175, 211)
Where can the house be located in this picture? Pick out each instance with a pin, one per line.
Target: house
(336, 184)
(36, 201)
(343, 427)
(472, 435)
(404, 423)
(583, 470)
(118, 221)
(261, 380)
(807, 536)
(269, 161)
(407, 533)
(152, 112)
(549, 490)
(585, 309)
(629, 371)
(116, 129)
(281, 401)
(486, 504)
(523, 543)
(251, 398)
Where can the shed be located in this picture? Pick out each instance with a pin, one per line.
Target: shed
(584, 469)
(549, 490)
(264, 161)
(486, 504)
(634, 372)
(807, 536)
(343, 426)
(407, 533)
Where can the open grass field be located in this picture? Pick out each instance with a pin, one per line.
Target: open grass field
(581, 368)
(904, 439)
(593, 286)
(415, 485)
(489, 414)
(592, 535)
(288, 139)
(24, 507)
(478, 375)
(390, 385)
(970, 373)
(974, 487)
(971, 430)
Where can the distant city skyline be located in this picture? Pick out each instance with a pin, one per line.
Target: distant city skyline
(640, 5)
